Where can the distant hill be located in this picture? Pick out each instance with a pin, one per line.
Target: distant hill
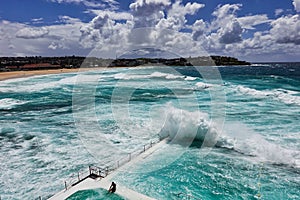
(215, 61)
(40, 63)
(196, 61)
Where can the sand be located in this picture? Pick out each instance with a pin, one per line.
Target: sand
(22, 74)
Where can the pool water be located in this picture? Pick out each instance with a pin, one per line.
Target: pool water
(96, 194)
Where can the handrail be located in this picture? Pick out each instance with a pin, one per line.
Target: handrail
(75, 178)
(102, 172)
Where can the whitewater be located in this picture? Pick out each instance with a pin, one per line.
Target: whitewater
(233, 135)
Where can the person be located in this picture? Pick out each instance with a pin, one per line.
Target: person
(112, 187)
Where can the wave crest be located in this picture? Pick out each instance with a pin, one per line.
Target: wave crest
(184, 127)
(9, 103)
(285, 96)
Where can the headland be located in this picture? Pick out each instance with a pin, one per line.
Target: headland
(17, 67)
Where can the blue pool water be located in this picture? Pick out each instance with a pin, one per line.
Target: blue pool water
(96, 194)
(235, 131)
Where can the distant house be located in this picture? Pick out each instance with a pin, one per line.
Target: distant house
(11, 68)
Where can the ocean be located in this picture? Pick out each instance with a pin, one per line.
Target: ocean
(234, 130)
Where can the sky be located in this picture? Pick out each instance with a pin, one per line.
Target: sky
(251, 30)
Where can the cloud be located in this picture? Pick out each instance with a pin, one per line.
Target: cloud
(104, 32)
(112, 14)
(227, 10)
(296, 4)
(91, 3)
(229, 29)
(178, 9)
(231, 33)
(286, 29)
(63, 37)
(32, 33)
(67, 1)
(147, 13)
(224, 34)
(176, 15)
(11, 46)
(53, 46)
(199, 28)
(37, 20)
(278, 12)
(161, 24)
(111, 1)
(248, 22)
(68, 20)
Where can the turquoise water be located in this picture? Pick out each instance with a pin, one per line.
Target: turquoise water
(97, 194)
(234, 135)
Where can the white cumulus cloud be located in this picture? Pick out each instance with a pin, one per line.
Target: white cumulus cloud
(161, 24)
(286, 29)
(32, 32)
(278, 11)
(296, 4)
(176, 15)
(53, 46)
(230, 33)
(147, 13)
(229, 29)
(112, 14)
(248, 22)
(199, 28)
(69, 20)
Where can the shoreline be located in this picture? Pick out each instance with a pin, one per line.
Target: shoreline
(23, 74)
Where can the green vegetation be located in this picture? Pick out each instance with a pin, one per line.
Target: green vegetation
(40, 63)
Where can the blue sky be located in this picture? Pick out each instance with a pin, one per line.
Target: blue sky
(253, 30)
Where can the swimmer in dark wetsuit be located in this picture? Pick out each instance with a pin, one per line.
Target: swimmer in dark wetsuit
(112, 188)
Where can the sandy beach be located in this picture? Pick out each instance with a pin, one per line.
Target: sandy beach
(22, 74)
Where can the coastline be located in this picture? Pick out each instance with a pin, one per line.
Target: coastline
(23, 74)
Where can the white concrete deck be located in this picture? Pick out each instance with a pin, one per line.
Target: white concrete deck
(90, 183)
(104, 183)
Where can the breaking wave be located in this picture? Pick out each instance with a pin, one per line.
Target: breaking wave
(284, 96)
(35, 84)
(124, 76)
(242, 139)
(185, 127)
(9, 103)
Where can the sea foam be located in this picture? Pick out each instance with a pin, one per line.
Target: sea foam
(284, 96)
(184, 127)
(34, 84)
(171, 76)
(9, 103)
(244, 140)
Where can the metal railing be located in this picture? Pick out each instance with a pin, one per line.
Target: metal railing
(75, 178)
(133, 155)
(102, 172)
